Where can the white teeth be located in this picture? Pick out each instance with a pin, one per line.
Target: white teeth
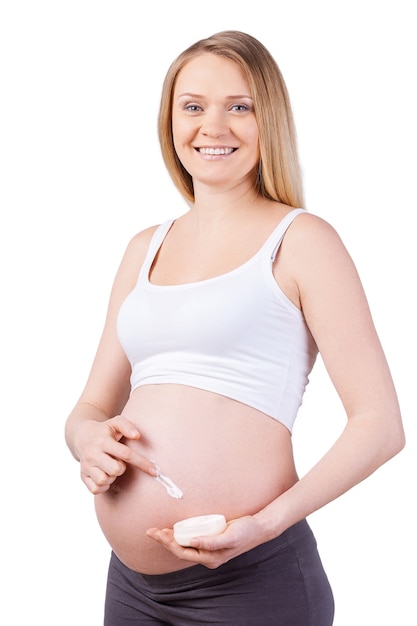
(216, 150)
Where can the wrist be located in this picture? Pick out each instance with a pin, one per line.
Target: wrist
(269, 524)
(276, 517)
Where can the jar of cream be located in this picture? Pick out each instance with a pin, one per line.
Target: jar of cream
(202, 525)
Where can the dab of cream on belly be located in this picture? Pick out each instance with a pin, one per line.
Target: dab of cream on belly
(170, 486)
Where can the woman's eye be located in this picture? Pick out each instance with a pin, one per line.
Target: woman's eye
(193, 108)
(240, 107)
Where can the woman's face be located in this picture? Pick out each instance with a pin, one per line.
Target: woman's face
(213, 121)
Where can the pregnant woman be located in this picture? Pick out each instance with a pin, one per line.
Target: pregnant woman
(214, 323)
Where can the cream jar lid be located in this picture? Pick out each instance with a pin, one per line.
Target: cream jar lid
(202, 525)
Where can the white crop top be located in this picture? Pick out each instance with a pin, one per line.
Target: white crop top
(236, 334)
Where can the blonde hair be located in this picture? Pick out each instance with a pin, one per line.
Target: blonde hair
(279, 176)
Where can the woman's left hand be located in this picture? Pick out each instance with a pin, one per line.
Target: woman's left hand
(240, 535)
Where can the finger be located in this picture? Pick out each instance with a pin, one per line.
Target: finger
(107, 464)
(165, 538)
(208, 558)
(131, 457)
(211, 543)
(106, 470)
(120, 427)
(93, 487)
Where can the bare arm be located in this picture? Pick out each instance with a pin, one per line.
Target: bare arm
(318, 275)
(337, 313)
(94, 429)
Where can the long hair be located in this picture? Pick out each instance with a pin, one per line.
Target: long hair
(279, 172)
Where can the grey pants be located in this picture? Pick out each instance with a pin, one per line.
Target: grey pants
(279, 583)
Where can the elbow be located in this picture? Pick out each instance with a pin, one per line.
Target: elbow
(395, 440)
(400, 441)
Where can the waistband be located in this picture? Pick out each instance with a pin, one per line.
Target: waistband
(247, 559)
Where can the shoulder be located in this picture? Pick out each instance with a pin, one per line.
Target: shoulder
(313, 259)
(133, 258)
(138, 246)
(139, 243)
(310, 237)
(307, 227)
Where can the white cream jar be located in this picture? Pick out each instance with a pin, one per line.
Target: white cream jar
(202, 525)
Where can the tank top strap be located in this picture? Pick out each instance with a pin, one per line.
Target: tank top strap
(154, 245)
(274, 241)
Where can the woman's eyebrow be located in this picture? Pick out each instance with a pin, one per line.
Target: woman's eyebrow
(231, 97)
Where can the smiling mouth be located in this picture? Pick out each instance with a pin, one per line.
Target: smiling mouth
(215, 151)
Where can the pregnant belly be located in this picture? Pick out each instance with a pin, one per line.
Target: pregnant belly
(224, 456)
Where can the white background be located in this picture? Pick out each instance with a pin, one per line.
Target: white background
(81, 173)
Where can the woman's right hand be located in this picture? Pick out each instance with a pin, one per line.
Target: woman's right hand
(103, 456)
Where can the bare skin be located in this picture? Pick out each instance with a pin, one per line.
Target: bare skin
(227, 457)
(208, 445)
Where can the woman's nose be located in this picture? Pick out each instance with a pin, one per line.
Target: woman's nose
(214, 124)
